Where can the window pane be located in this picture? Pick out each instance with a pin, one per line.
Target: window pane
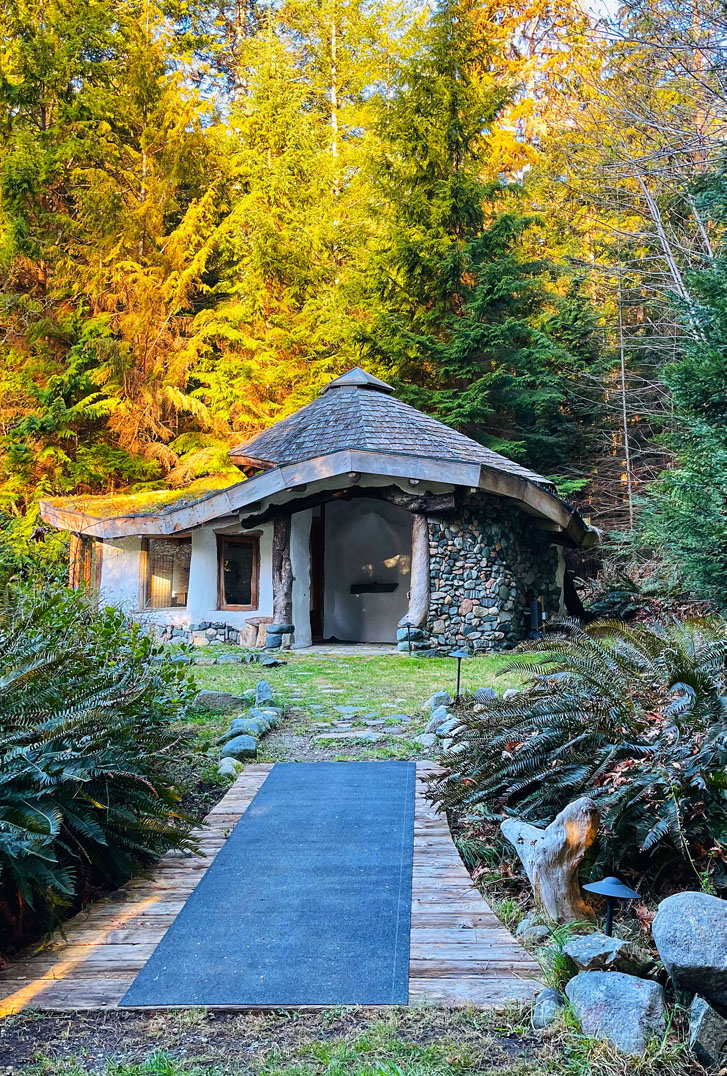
(168, 572)
(237, 572)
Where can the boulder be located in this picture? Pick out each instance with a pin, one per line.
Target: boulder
(269, 714)
(439, 715)
(439, 698)
(229, 659)
(707, 1034)
(244, 726)
(447, 727)
(452, 748)
(220, 701)
(426, 739)
(599, 952)
(548, 1004)
(530, 933)
(485, 694)
(690, 931)
(241, 747)
(620, 1009)
(510, 693)
(263, 693)
(229, 767)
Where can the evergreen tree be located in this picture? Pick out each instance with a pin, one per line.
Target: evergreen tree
(684, 516)
(459, 309)
(108, 188)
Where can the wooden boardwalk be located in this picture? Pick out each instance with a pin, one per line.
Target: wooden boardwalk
(460, 952)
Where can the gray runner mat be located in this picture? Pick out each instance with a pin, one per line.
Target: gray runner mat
(307, 903)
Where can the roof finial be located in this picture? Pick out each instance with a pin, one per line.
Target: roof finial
(358, 379)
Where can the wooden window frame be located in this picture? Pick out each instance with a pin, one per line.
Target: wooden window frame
(238, 539)
(145, 578)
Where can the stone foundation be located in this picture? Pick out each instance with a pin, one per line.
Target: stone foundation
(203, 634)
(486, 565)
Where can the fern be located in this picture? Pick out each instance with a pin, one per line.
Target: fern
(88, 720)
(635, 717)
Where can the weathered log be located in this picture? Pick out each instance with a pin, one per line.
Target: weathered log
(440, 504)
(416, 615)
(551, 858)
(282, 571)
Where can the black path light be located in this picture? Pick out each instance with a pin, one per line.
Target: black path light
(459, 654)
(612, 889)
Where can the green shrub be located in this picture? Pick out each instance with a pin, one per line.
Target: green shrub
(635, 717)
(90, 751)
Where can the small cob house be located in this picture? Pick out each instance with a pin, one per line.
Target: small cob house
(356, 519)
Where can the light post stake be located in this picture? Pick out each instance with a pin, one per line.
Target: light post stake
(459, 654)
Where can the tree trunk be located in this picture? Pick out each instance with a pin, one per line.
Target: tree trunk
(552, 856)
(419, 580)
(282, 571)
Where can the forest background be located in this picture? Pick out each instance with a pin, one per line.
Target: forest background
(513, 211)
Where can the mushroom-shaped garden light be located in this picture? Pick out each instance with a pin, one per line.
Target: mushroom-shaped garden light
(459, 654)
(612, 889)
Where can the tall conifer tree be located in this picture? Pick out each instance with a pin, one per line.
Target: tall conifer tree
(458, 308)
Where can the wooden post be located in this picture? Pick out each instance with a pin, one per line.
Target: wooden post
(419, 578)
(282, 571)
(75, 555)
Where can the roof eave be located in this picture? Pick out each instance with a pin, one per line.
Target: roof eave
(280, 480)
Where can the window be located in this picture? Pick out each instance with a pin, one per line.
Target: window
(165, 572)
(238, 562)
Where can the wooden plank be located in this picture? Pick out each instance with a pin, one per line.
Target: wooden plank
(96, 958)
(460, 954)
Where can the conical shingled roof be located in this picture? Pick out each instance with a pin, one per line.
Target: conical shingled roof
(357, 411)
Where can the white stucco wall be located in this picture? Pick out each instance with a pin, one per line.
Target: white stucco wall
(120, 580)
(365, 541)
(300, 563)
(120, 573)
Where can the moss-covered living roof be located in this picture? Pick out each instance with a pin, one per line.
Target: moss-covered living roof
(157, 502)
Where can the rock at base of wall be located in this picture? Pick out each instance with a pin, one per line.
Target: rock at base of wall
(690, 931)
(620, 1009)
(707, 1034)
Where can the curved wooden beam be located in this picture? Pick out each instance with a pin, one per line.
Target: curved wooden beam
(384, 467)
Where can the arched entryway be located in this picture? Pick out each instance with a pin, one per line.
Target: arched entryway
(360, 577)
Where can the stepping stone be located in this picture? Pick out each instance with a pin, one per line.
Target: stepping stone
(367, 736)
(346, 709)
(376, 721)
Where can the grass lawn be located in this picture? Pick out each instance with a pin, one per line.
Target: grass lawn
(336, 1042)
(311, 687)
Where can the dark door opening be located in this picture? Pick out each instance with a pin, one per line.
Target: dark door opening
(317, 557)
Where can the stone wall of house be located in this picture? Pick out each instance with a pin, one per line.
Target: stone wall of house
(203, 634)
(487, 563)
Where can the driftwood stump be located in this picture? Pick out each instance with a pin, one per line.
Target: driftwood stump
(552, 856)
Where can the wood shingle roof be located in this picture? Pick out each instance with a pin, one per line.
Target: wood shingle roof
(358, 411)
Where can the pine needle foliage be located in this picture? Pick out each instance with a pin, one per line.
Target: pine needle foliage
(635, 717)
(90, 750)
